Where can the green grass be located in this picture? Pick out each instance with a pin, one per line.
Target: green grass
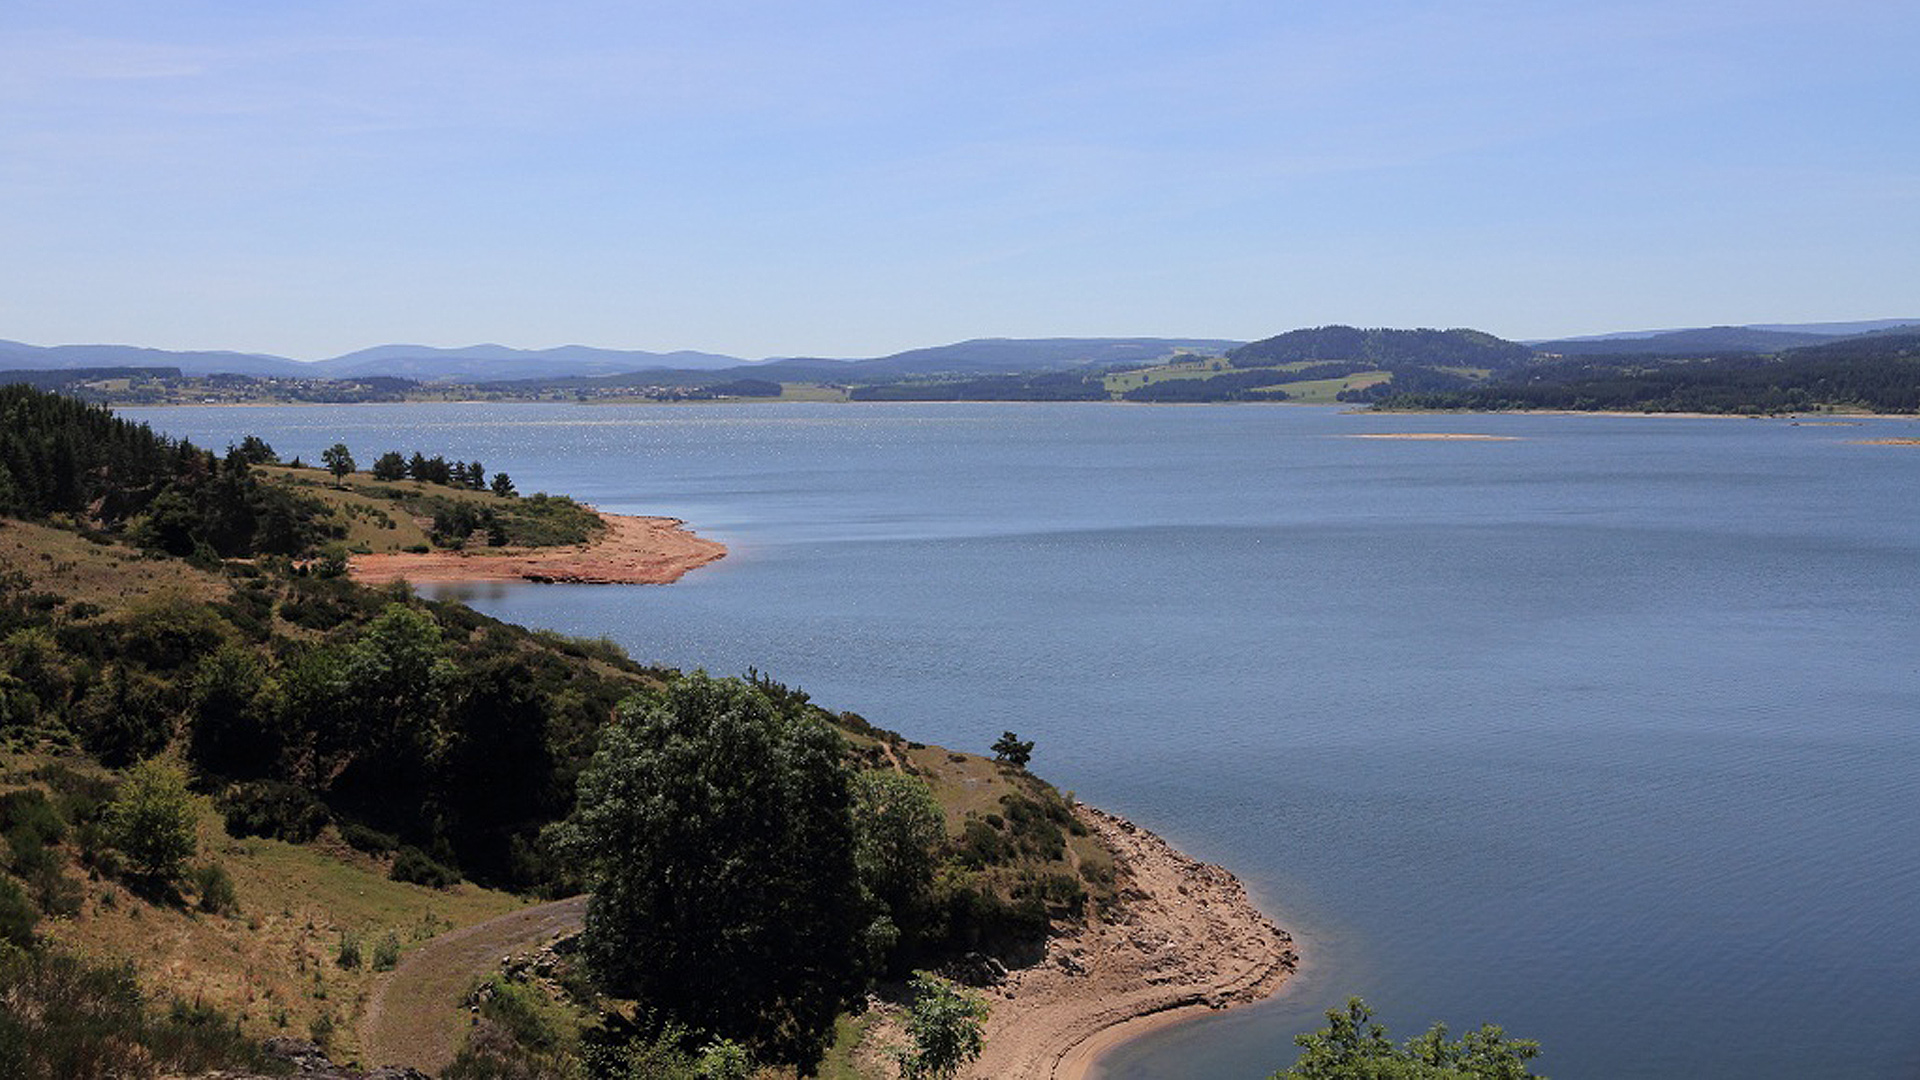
(1325, 391)
(839, 1063)
(394, 515)
(1121, 382)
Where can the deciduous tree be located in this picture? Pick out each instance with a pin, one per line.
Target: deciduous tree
(714, 832)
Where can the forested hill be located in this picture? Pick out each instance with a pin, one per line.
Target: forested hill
(1877, 373)
(1384, 348)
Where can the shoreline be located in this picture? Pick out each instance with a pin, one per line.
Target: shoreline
(631, 551)
(1186, 941)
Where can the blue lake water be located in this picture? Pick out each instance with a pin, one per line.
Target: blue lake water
(1610, 734)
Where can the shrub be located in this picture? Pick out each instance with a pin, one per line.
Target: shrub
(215, 887)
(153, 821)
(386, 954)
(17, 915)
(69, 1017)
(415, 866)
(372, 841)
(348, 955)
(31, 810)
(276, 809)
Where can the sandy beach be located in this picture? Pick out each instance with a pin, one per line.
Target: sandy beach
(1186, 941)
(631, 551)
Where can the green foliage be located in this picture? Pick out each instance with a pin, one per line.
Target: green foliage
(348, 955)
(386, 952)
(390, 466)
(716, 838)
(233, 705)
(1011, 750)
(944, 1024)
(1879, 374)
(274, 808)
(1353, 1047)
(152, 820)
(519, 1035)
(254, 451)
(371, 841)
(338, 460)
(215, 887)
(415, 866)
(1454, 348)
(17, 915)
(899, 832)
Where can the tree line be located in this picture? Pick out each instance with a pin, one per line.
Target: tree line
(1876, 375)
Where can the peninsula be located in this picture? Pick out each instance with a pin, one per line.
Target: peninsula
(258, 809)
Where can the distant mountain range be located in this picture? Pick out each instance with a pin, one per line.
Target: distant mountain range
(425, 363)
(980, 356)
(498, 363)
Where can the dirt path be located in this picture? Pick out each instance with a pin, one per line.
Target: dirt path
(414, 1016)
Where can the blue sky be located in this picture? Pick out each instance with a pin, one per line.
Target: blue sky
(308, 177)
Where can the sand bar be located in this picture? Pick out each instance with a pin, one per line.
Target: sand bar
(631, 551)
(1886, 442)
(1436, 436)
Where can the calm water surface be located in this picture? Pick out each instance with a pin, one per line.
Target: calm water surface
(1608, 734)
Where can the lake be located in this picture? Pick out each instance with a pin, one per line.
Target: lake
(1609, 734)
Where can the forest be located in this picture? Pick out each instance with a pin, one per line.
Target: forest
(1876, 373)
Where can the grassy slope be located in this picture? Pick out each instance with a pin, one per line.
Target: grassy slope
(273, 963)
(1306, 392)
(393, 515)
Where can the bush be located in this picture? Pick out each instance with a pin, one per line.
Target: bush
(348, 955)
(372, 841)
(153, 821)
(67, 1017)
(386, 955)
(17, 915)
(415, 866)
(31, 810)
(275, 809)
(215, 887)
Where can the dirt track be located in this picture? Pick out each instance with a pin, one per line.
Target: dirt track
(414, 1016)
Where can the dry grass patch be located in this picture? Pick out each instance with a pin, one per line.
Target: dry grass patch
(111, 576)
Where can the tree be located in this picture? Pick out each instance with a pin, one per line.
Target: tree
(944, 1023)
(153, 821)
(713, 830)
(503, 485)
(338, 460)
(1012, 751)
(1353, 1047)
(899, 828)
(254, 451)
(390, 466)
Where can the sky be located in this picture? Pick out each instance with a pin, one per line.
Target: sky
(309, 177)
